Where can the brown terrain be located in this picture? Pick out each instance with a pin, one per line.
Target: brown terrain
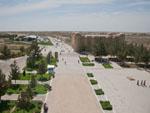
(139, 38)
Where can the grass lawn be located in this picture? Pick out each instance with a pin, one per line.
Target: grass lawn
(39, 77)
(36, 65)
(93, 82)
(26, 77)
(7, 106)
(108, 66)
(48, 43)
(40, 89)
(99, 92)
(106, 105)
(53, 61)
(44, 77)
(16, 89)
(90, 75)
(88, 64)
(84, 59)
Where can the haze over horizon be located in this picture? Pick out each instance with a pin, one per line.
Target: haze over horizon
(75, 15)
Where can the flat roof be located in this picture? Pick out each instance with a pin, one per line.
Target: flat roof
(50, 66)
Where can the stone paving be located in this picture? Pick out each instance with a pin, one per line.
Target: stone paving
(27, 82)
(5, 64)
(71, 92)
(40, 97)
(124, 94)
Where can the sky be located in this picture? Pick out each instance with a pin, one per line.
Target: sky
(75, 15)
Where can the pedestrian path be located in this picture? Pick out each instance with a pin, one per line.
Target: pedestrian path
(27, 82)
(71, 92)
(39, 97)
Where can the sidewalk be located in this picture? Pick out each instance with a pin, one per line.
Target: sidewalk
(27, 82)
(40, 97)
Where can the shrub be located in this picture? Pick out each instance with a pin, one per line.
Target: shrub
(107, 66)
(106, 105)
(10, 91)
(44, 77)
(40, 89)
(93, 82)
(84, 59)
(48, 86)
(99, 92)
(88, 64)
(90, 75)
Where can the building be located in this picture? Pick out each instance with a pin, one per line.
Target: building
(30, 38)
(79, 42)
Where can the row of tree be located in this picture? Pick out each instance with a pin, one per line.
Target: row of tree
(5, 83)
(34, 53)
(120, 48)
(6, 52)
(26, 96)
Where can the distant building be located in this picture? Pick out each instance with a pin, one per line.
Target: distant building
(30, 38)
(79, 41)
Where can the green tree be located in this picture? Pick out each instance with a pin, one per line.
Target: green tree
(96, 49)
(56, 55)
(35, 50)
(22, 49)
(99, 48)
(33, 82)
(146, 57)
(24, 100)
(30, 92)
(6, 52)
(30, 62)
(3, 84)
(24, 72)
(122, 53)
(14, 73)
(138, 53)
(42, 67)
(49, 56)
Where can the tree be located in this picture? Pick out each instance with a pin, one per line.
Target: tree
(99, 49)
(22, 49)
(3, 84)
(146, 57)
(24, 100)
(42, 67)
(24, 72)
(30, 62)
(138, 53)
(6, 52)
(49, 56)
(29, 91)
(56, 56)
(33, 82)
(25, 97)
(14, 73)
(35, 50)
(122, 53)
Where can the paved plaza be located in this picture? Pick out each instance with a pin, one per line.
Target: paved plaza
(71, 90)
(124, 94)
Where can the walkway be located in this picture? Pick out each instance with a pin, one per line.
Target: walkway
(39, 97)
(71, 91)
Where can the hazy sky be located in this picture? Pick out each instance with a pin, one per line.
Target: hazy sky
(75, 15)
